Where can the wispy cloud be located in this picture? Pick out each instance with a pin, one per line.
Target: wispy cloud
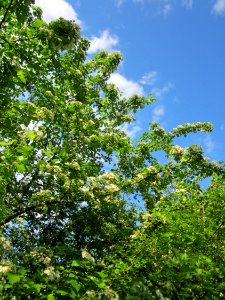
(209, 144)
(158, 113)
(187, 3)
(219, 7)
(128, 87)
(160, 92)
(53, 9)
(119, 2)
(131, 130)
(149, 78)
(163, 7)
(105, 41)
(166, 9)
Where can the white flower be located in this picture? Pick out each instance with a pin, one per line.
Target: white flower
(51, 273)
(140, 177)
(151, 169)
(109, 176)
(5, 266)
(86, 255)
(92, 178)
(84, 189)
(177, 150)
(4, 243)
(46, 260)
(135, 235)
(112, 188)
(74, 165)
(43, 193)
(146, 216)
(4, 269)
(182, 191)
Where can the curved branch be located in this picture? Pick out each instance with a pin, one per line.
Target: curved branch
(12, 46)
(5, 15)
(16, 214)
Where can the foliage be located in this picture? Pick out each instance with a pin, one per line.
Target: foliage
(69, 178)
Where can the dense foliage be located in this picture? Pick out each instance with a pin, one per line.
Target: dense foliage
(70, 178)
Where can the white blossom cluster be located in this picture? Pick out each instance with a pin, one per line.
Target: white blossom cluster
(40, 257)
(112, 188)
(86, 255)
(45, 112)
(4, 243)
(5, 266)
(51, 273)
(43, 193)
(109, 176)
(151, 169)
(191, 127)
(84, 189)
(177, 150)
(74, 165)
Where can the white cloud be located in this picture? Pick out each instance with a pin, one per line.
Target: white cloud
(53, 9)
(128, 87)
(158, 113)
(149, 78)
(119, 2)
(130, 130)
(187, 3)
(166, 9)
(209, 144)
(104, 42)
(159, 92)
(219, 7)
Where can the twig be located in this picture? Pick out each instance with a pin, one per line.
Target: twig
(7, 10)
(218, 228)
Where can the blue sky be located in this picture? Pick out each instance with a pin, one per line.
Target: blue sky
(174, 49)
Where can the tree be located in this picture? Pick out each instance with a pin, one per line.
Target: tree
(69, 177)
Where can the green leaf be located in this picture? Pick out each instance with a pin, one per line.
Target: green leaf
(75, 285)
(75, 263)
(38, 23)
(21, 76)
(4, 143)
(14, 278)
(62, 293)
(38, 287)
(51, 297)
(20, 167)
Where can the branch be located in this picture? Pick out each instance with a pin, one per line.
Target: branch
(23, 56)
(7, 10)
(16, 214)
(34, 208)
(218, 228)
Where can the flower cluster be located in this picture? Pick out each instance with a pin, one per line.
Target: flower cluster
(176, 150)
(112, 188)
(43, 193)
(51, 273)
(151, 169)
(4, 243)
(84, 189)
(5, 266)
(40, 257)
(109, 176)
(191, 127)
(74, 165)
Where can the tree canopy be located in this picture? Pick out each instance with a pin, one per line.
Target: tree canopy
(71, 178)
